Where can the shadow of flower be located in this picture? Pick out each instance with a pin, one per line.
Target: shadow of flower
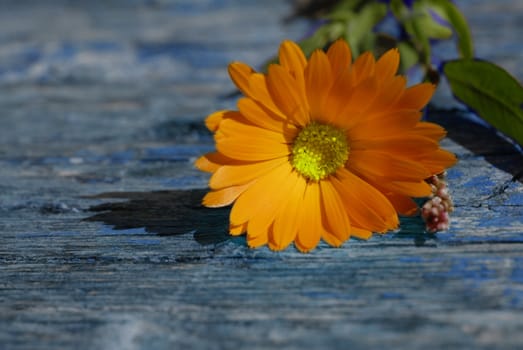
(480, 140)
(164, 213)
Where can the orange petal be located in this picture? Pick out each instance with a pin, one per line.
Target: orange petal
(258, 195)
(234, 128)
(416, 97)
(294, 61)
(390, 92)
(438, 161)
(334, 217)
(430, 130)
(387, 65)
(364, 67)
(260, 93)
(289, 216)
(264, 118)
(407, 144)
(223, 197)
(361, 233)
(257, 241)
(236, 230)
(404, 205)
(384, 125)
(411, 189)
(265, 217)
(251, 148)
(318, 80)
(340, 57)
(286, 96)
(373, 164)
(362, 96)
(213, 120)
(366, 206)
(219, 116)
(291, 57)
(338, 98)
(231, 175)
(209, 162)
(240, 73)
(310, 229)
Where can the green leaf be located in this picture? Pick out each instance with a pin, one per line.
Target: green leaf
(399, 10)
(360, 25)
(326, 34)
(490, 91)
(412, 20)
(429, 25)
(451, 13)
(408, 55)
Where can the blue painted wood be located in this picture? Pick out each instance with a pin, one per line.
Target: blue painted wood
(101, 243)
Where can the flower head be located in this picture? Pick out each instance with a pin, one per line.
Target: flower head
(324, 148)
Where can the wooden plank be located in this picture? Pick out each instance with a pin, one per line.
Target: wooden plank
(103, 244)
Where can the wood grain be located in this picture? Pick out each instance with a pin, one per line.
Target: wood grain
(103, 243)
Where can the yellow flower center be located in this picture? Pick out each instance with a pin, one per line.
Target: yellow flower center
(319, 150)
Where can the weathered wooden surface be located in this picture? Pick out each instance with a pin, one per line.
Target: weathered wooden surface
(101, 105)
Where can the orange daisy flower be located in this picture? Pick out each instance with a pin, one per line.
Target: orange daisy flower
(322, 149)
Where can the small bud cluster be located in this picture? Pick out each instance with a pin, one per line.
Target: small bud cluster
(435, 211)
